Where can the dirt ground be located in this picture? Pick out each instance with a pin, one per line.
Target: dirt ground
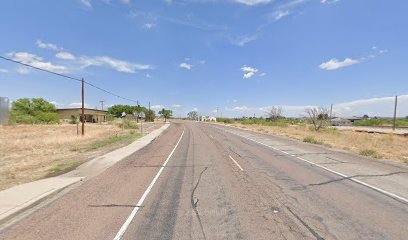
(384, 146)
(32, 152)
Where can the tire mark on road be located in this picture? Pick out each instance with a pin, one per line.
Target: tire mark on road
(194, 204)
(313, 232)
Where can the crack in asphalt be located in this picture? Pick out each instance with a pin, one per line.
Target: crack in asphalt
(194, 204)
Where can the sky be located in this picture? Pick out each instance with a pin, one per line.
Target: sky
(227, 58)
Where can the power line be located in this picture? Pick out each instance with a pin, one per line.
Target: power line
(69, 77)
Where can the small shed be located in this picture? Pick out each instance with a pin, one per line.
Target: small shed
(91, 115)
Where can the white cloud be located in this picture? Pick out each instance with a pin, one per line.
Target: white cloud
(329, 1)
(202, 61)
(383, 107)
(76, 105)
(248, 75)
(194, 109)
(186, 66)
(118, 65)
(36, 61)
(65, 56)
(237, 109)
(149, 25)
(253, 2)
(22, 70)
(176, 106)
(148, 75)
(2, 70)
(249, 71)
(277, 15)
(241, 41)
(49, 46)
(334, 64)
(262, 74)
(157, 107)
(88, 3)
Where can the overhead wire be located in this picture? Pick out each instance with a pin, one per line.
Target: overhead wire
(68, 77)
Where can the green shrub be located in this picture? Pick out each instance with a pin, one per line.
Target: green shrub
(225, 120)
(128, 124)
(370, 153)
(310, 139)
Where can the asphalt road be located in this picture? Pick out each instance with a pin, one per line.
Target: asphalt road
(221, 183)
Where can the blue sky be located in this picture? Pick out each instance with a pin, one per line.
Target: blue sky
(241, 56)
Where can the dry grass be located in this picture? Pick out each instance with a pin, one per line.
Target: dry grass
(387, 146)
(32, 152)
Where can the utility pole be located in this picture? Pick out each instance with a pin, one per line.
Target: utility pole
(149, 112)
(102, 104)
(83, 107)
(217, 113)
(137, 117)
(331, 111)
(395, 113)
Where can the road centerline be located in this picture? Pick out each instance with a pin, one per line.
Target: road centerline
(132, 215)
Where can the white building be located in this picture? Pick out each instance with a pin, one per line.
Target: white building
(208, 119)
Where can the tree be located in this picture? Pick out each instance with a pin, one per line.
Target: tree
(117, 110)
(166, 114)
(33, 111)
(318, 117)
(193, 115)
(150, 115)
(275, 113)
(137, 110)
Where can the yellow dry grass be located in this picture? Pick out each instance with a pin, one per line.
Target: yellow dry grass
(28, 152)
(387, 146)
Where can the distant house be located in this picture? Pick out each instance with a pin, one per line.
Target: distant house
(208, 119)
(354, 119)
(340, 122)
(91, 115)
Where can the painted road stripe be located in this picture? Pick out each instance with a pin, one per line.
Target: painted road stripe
(380, 190)
(236, 163)
(124, 227)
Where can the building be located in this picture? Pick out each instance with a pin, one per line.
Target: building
(91, 115)
(208, 119)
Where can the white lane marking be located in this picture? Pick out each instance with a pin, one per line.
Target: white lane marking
(124, 227)
(236, 163)
(389, 194)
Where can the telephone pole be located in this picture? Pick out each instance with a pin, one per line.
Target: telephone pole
(83, 107)
(102, 104)
(395, 113)
(149, 112)
(331, 111)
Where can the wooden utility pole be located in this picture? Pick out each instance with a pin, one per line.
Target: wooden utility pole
(395, 113)
(149, 112)
(102, 104)
(83, 107)
(331, 111)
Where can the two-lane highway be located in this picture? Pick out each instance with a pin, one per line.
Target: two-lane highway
(202, 181)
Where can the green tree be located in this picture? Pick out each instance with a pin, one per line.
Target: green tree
(33, 111)
(166, 114)
(117, 110)
(137, 110)
(193, 115)
(150, 115)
